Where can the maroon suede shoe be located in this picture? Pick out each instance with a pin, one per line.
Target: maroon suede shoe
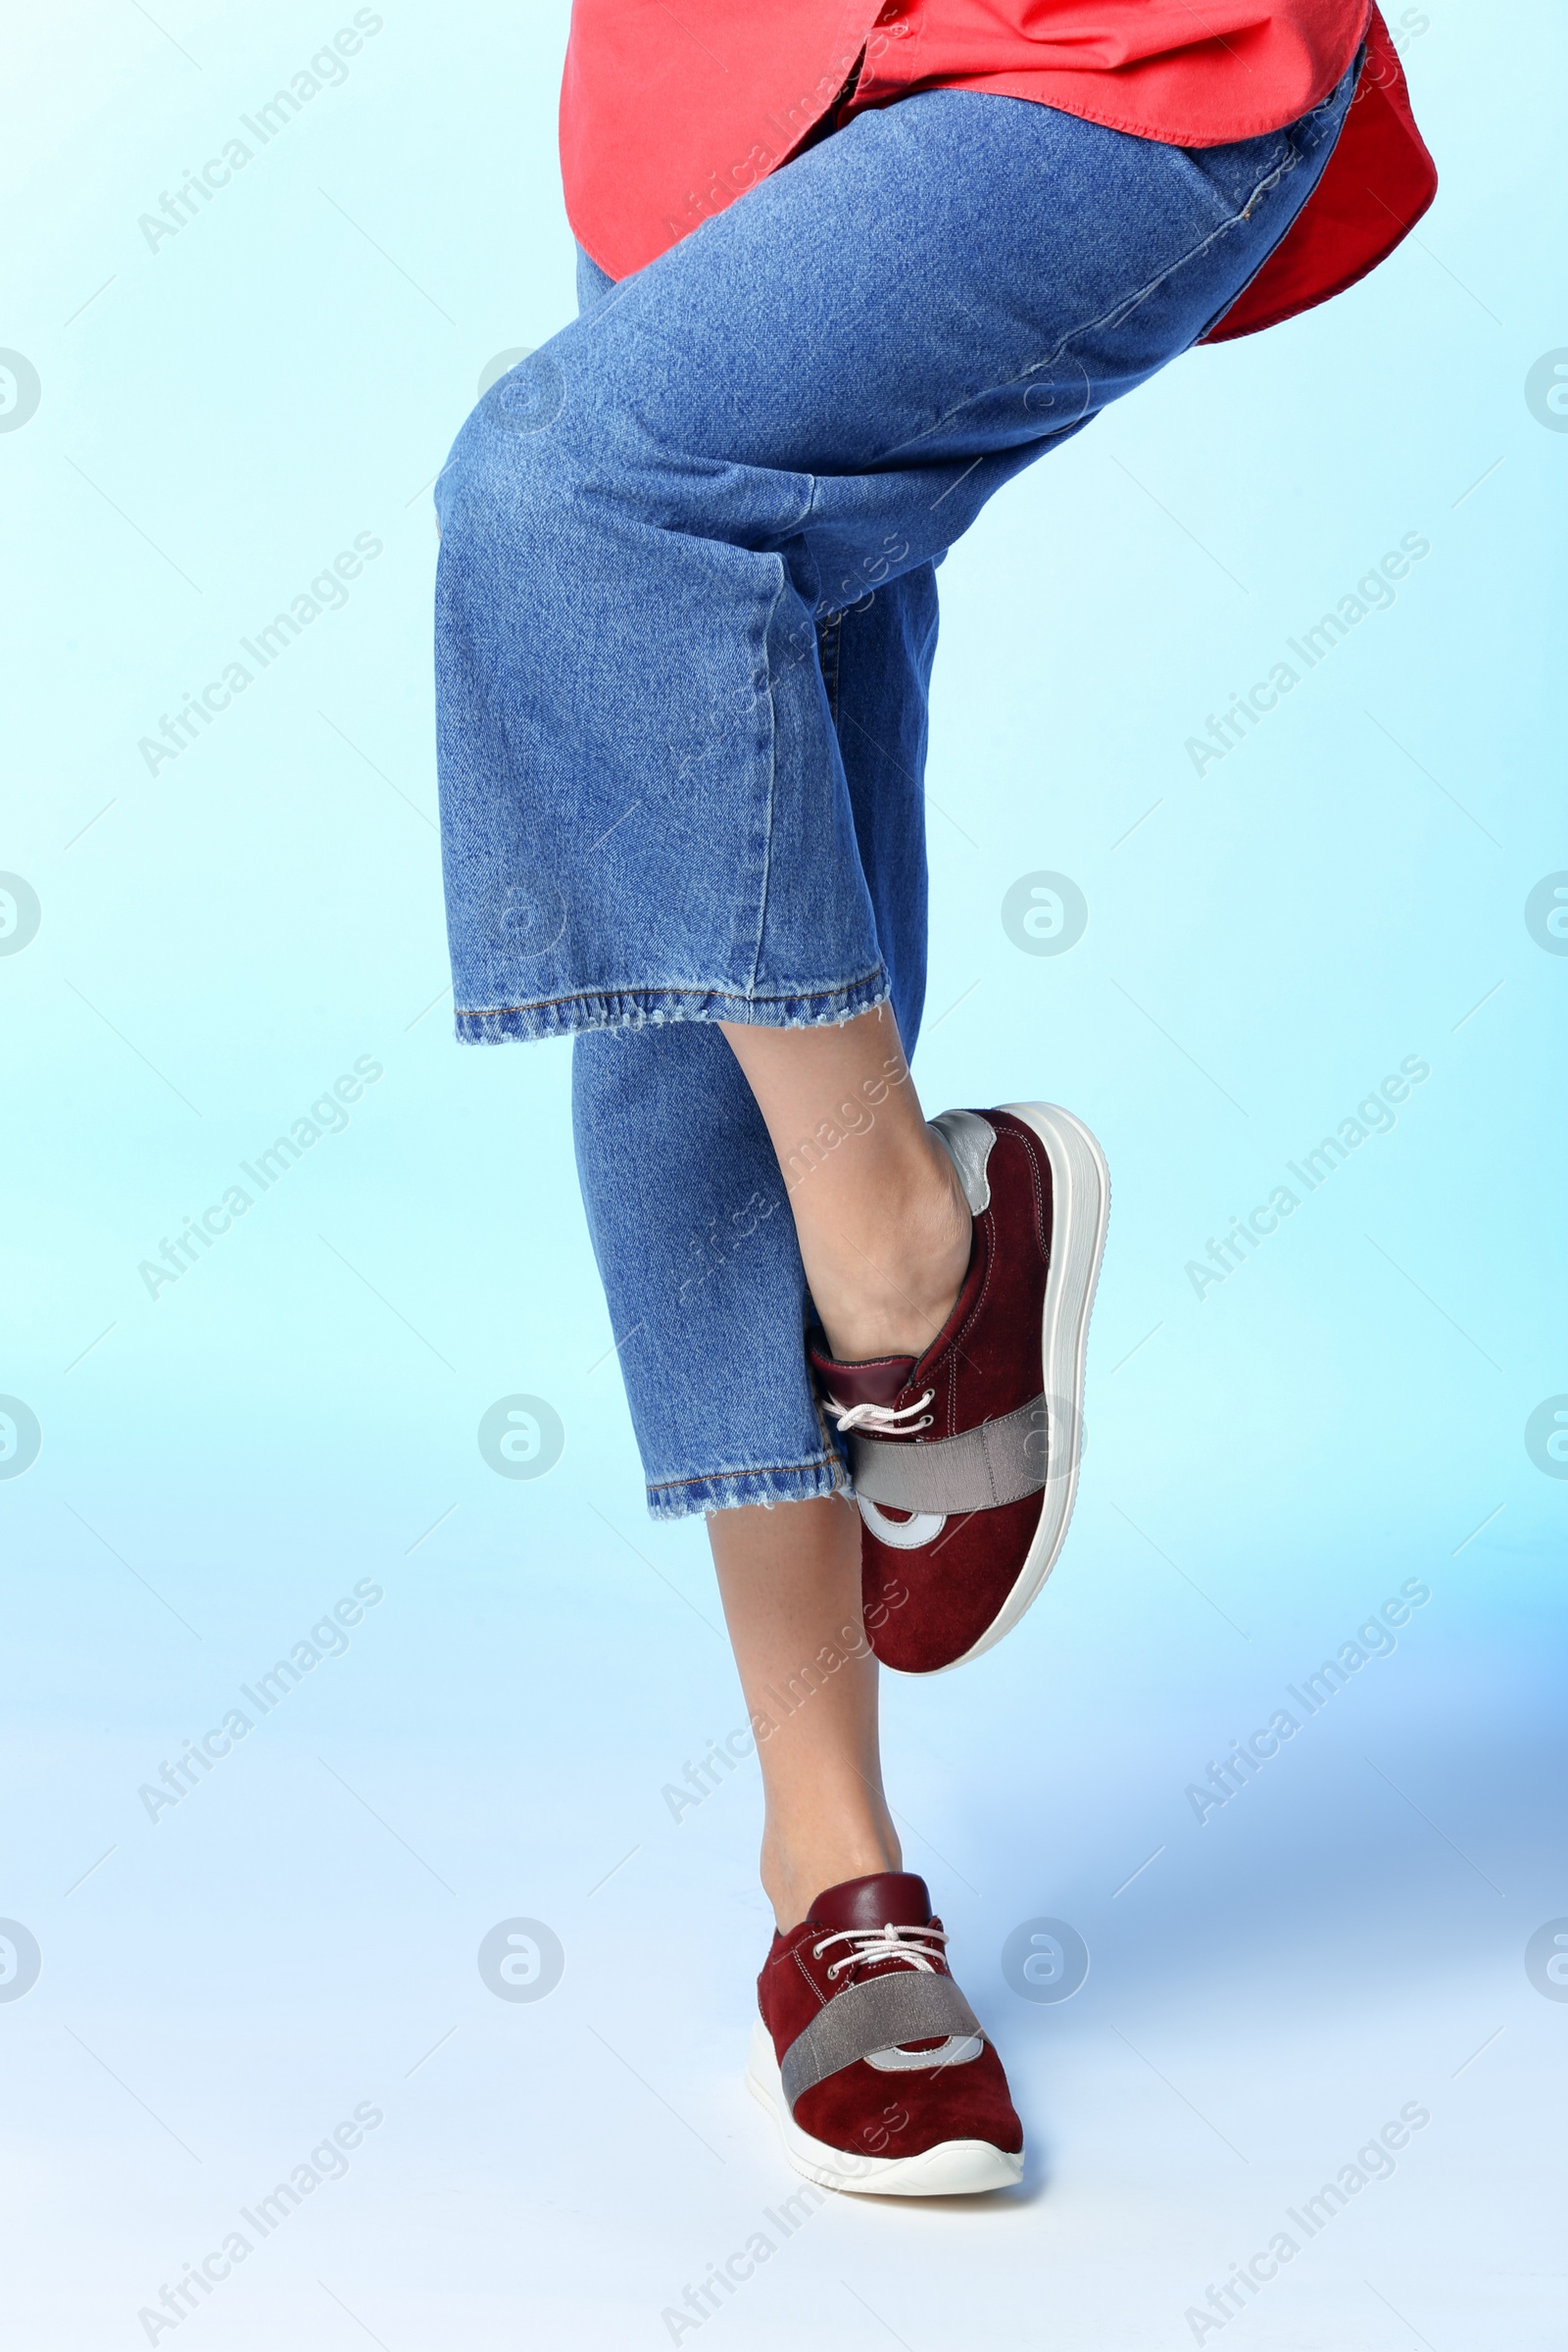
(872, 2062)
(964, 1460)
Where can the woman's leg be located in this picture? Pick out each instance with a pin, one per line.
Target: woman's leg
(645, 811)
(881, 1218)
(688, 1203)
(674, 1100)
(689, 1216)
(650, 821)
(790, 1577)
(790, 1580)
(652, 813)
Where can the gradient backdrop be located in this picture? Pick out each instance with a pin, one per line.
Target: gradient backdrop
(193, 950)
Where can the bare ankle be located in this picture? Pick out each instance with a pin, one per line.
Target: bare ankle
(888, 1291)
(791, 1882)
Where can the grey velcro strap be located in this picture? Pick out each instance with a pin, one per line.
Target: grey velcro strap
(908, 2005)
(1000, 1461)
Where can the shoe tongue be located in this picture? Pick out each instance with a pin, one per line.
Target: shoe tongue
(887, 1898)
(876, 1382)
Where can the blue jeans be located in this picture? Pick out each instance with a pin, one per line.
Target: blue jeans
(686, 609)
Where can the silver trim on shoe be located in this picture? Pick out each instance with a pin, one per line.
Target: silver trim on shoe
(959, 2049)
(901, 1534)
(968, 1139)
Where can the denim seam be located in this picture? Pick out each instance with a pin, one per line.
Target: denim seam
(698, 988)
(829, 652)
(733, 1490)
(634, 1008)
(709, 1478)
(1119, 310)
(772, 771)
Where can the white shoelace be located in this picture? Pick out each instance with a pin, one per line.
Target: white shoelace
(917, 1947)
(881, 1417)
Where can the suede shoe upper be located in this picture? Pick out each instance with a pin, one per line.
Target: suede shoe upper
(861, 2109)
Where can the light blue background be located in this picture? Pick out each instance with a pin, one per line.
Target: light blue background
(220, 418)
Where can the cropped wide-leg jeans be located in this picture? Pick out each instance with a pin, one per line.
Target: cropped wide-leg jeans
(686, 610)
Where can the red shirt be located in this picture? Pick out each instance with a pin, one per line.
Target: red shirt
(671, 112)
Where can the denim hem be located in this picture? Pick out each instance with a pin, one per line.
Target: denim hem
(733, 1490)
(650, 1007)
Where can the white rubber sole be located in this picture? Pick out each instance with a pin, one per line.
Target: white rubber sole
(1080, 1189)
(956, 2168)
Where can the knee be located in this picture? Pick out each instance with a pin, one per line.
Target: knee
(509, 480)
